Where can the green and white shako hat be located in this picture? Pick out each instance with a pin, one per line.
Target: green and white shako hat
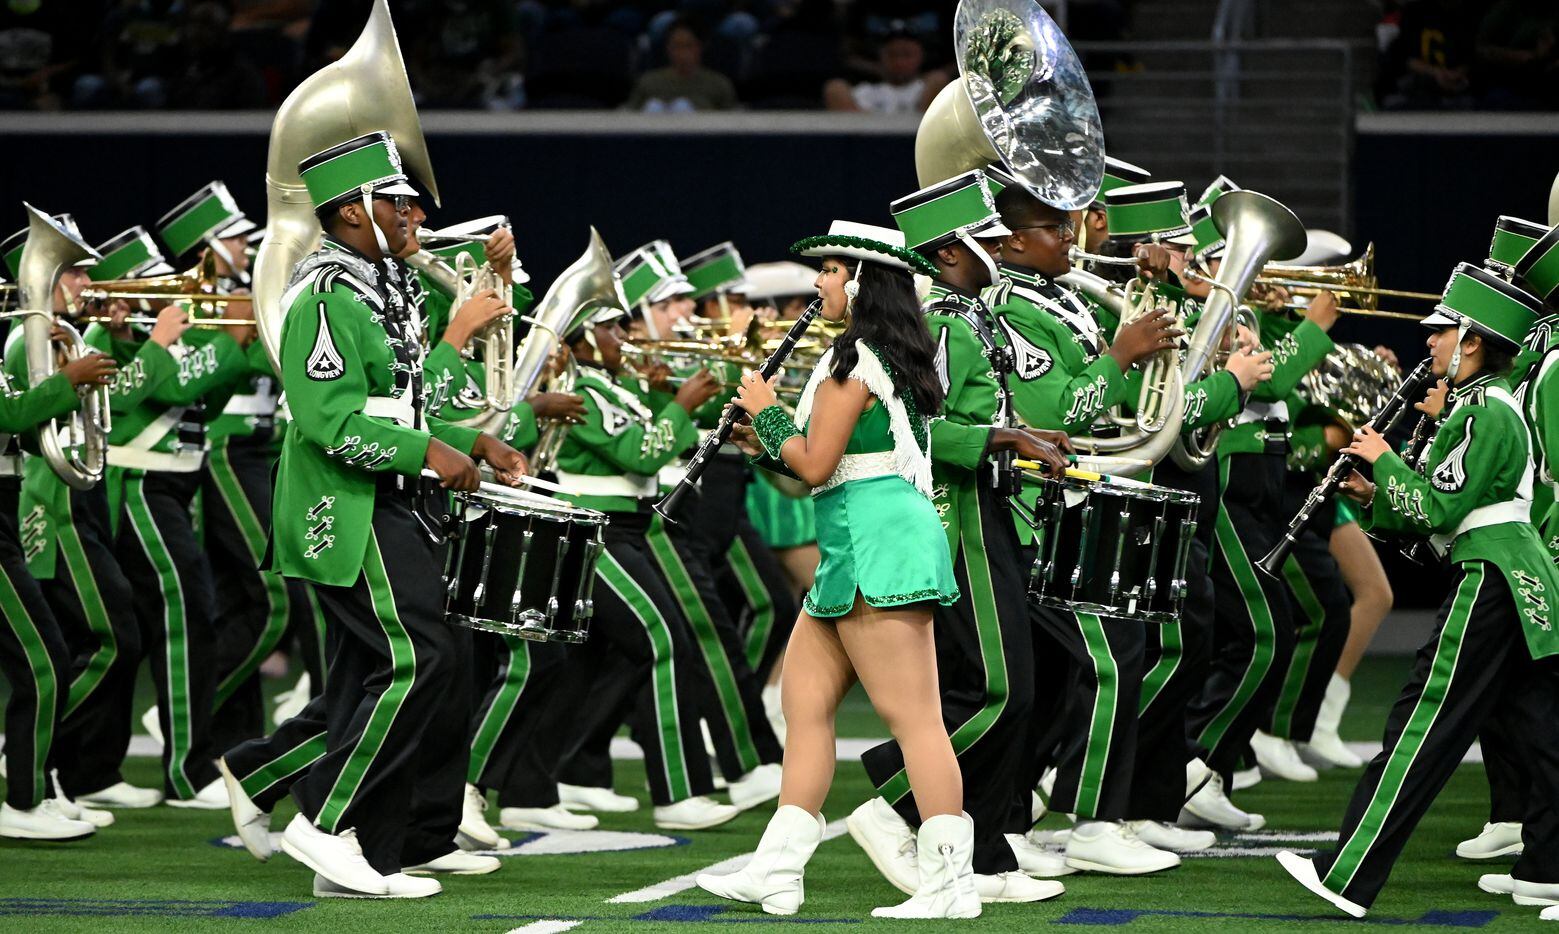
(202, 217)
(867, 242)
(131, 254)
(1153, 212)
(1119, 174)
(1538, 269)
(1207, 240)
(717, 269)
(1219, 187)
(362, 167)
(651, 274)
(1513, 237)
(962, 206)
(468, 237)
(11, 247)
(1484, 301)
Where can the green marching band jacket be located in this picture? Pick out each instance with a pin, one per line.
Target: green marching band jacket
(21, 411)
(456, 383)
(1531, 378)
(971, 362)
(610, 461)
(152, 402)
(1297, 347)
(1473, 494)
(352, 371)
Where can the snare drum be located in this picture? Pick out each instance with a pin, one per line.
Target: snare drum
(523, 565)
(1113, 549)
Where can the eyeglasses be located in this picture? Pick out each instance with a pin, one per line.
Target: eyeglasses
(402, 203)
(1063, 229)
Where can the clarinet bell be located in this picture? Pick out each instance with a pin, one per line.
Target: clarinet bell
(667, 507)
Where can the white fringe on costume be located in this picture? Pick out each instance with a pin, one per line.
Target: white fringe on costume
(910, 461)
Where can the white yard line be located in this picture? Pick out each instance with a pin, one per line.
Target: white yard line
(682, 883)
(546, 927)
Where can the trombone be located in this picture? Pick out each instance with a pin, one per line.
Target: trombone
(193, 286)
(1355, 279)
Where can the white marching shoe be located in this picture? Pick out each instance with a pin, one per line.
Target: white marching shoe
(1035, 860)
(587, 798)
(556, 817)
(888, 841)
(1279, 758)
(1325, 745)
(475, 832)
(122, 795)
(213, 797)
(1245, 778)
(1014, 887)
(44, 822)
(1303, 871)
(1534, 893)
(944, 851)
(336, 856)
(291, 702)
(1113, 848)
(73, 811)
(252, 824)
(397, 885)
(1497, 839)
(1497, 883)
(774, 711)
(759, 786)
(698, 813)
(774, 877)
(1550, 914)
(1164, 836)
(457, 863)
(1209, 806)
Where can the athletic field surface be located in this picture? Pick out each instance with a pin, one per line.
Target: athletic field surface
(165, 869)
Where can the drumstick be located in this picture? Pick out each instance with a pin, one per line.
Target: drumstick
(1072, 473)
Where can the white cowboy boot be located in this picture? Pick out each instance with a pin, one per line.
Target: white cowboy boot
(945, 851)
(773, 877)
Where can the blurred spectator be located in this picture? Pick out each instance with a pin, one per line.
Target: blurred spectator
(1518, 54)
(902, 85)
(40, 46)
(1429, 63)
(467, 53)
(684, 84)
(215, 75)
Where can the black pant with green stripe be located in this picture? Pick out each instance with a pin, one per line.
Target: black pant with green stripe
(1323, 615)
(743, 739)
(254, 605)
(641, 660)
(158, 549)
(34, 662)
(95, 607)
(268, 766)
(1253, 622)
(985, 666)
(516, 673)
(396, 670)
(1474, 669)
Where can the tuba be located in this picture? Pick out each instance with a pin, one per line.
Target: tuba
(76, 447)
(366, 90)
(585, 287)
(1256, 228)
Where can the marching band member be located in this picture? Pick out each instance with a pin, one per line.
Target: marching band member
(1095, 221)
(1486, 657)
(349, 519)
(639, 660)
(1067, 377)
(867, 617)
(983, 641)
(687, 553)
(35, 658)
(1253, 619)
(68, 539)
(1176, 654)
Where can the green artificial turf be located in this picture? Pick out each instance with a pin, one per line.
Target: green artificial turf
(159, 870)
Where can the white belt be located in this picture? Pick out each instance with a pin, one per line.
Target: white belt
(635, 486)
(1512, 510)
(252, 404)
(672, 474)
(400, 410)
(1261, 412)
(152, 433)
(134, 459)
(10, 465)
(860, 467)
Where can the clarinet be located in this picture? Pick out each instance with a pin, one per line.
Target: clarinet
(696, 465)
(1384, 421)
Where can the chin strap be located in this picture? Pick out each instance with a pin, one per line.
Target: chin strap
(368, 212)
(216, 246)
(980, 252)
(852, 289)
(1456, 354)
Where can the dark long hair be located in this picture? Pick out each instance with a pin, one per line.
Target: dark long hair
(887, 316)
